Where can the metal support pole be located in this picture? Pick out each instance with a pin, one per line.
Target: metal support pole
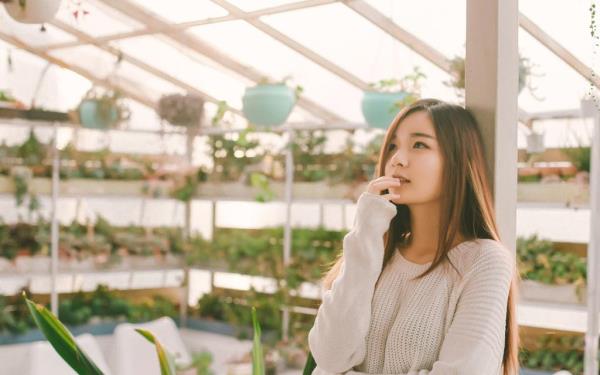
(54, 224)
(321, 215)
(287, 239)
(185, 285)
(593, 257)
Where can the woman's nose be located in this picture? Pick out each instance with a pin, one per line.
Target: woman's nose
(400, 158)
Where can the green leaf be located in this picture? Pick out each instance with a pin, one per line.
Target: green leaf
(167, 364)
(61, 339)
(258, 360)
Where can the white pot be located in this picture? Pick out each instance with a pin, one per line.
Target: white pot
(535, 143)
(33, 11)
(535, 291)
(41, 263)
(6, 265)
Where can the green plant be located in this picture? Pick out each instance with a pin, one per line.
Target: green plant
(308, 151)
(409, 84)
(63, 342)
(201, 363)
(14, 315)
(353, 165)
(183, 110)
(5, 96)
(21, 188)
(32, 151)
(457, 68)
(540, 262)
(553, 352)
(165, 359)
(258, 359)
(111, 107)
(261, 182)
(580, 156)
(298, 90)
(232, 154)
(185, 190)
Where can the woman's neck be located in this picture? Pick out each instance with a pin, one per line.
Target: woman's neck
(422, 243)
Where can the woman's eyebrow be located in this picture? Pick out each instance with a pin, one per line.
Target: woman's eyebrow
(418, 134)
(422, 135)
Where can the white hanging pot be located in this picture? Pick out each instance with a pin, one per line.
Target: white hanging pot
(535, 143)
(32, 11)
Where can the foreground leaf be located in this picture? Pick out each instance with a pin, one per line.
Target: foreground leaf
(258, 361)
(61, 340)
(167, 364)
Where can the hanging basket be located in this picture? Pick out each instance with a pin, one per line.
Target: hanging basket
(268, 105)
(535, 143)
(90, 115)
(32, 11)
(379, 108)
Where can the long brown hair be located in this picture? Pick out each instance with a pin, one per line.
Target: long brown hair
(466, 205)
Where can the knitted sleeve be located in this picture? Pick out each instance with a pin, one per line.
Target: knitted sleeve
(474, 344)
(337, 339)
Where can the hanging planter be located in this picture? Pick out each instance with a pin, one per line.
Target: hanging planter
(181, 110)
(457, 68)
(269, 104)
(102, 110)
(387, 97)
(380, 108)
(32, 11)
(535, 143)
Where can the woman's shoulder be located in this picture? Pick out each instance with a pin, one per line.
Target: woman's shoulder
(482, 253)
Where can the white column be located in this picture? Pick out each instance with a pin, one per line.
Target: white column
(593, 259)
(491, 83)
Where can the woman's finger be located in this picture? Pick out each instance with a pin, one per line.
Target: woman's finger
(391, 196)
(377, 187)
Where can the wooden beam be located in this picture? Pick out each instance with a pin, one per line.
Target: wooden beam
(298, 47)
(185, 25)
(390, 27)
(411, 41)
(556, 48)
(196, 44)
(88, 39)
(81, 71)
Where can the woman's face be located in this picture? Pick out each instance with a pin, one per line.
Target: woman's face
(414, 154)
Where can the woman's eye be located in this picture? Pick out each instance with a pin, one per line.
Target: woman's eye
(420, 143)
(391, 146)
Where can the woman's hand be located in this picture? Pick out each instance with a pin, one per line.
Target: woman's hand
(381, 183)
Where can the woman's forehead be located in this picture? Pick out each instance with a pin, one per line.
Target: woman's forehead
(418, 122)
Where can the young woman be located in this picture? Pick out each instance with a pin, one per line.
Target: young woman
(423, 285)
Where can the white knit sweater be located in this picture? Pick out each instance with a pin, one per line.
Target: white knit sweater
(442, 324)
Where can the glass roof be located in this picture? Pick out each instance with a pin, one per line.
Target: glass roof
(352, 44)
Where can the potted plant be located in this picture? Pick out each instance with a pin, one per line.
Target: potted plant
(102, 109)
(457, 67)
(181, 110)
(9, 101)
(270, 103)
(535, 143)
(32, 11)
(387, 97)
(548, 274)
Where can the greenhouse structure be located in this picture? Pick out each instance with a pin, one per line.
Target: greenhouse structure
(178, 177)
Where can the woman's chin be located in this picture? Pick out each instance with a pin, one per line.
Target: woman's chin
(399, 201)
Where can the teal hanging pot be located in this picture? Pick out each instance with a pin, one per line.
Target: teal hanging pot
(93, 115)
(380, 108)
(268, 105)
